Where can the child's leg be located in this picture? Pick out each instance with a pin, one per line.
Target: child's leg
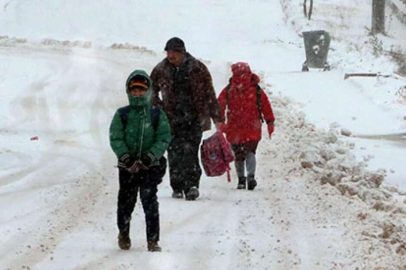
(251, 164)
(240, 168)
(127, 197)
(239, 162)
(149, 200)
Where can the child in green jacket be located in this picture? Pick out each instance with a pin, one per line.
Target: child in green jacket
(139, 136)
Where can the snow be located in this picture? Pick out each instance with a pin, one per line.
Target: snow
(401, 5)
(324, 200)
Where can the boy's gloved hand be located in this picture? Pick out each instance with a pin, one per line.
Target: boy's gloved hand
(147, 160)
(127, 160)
(271, 127)
(135, 167)
(132, 165)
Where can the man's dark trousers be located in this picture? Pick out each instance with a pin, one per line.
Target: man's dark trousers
(183, 156)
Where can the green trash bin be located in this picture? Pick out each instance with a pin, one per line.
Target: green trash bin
(317, 44)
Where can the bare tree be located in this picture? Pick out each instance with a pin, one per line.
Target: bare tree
(378, 17)
(308, 15)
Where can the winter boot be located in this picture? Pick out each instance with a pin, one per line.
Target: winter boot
(251, 183)
(153, 246)
(177, 195)
(124, 241)
(242, 182)
(192, 194)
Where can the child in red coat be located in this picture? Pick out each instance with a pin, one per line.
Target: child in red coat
(245, 106)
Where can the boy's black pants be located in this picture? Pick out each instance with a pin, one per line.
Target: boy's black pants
(146, 184)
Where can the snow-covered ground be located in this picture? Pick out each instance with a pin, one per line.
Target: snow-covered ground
(320, 203)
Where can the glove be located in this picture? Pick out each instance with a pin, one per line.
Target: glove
(126, 161)
(137, 165)
(147, 160)
(132, 165)
(270, 129)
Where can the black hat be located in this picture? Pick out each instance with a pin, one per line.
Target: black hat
(140, 81)
(175, 44)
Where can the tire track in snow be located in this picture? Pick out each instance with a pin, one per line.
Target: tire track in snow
(68, 212)
(209, 232)
(57, 225)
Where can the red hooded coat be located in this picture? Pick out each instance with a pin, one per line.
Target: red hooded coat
(243, 122)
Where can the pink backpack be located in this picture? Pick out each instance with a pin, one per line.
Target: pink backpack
(216, 155)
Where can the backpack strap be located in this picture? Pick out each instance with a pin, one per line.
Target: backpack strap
(259, 93)
(227, 99)
(228, 94)
(124, 111)
(155, 112)
(227, 91)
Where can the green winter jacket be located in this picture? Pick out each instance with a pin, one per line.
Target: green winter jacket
(139, 137)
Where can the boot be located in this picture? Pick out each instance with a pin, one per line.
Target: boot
(192, 194)
(177, 195)
(242, 182)
(153, 246)
(124, 241)
(251, 182)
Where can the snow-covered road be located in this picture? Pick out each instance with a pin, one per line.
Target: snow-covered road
(60, 190)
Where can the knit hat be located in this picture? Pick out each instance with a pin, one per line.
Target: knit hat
(240, 69)
(175, 44)
(140, 81)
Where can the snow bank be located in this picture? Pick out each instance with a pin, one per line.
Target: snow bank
(324, 160)
(47, 43)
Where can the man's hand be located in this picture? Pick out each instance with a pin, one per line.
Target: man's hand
(218, 126)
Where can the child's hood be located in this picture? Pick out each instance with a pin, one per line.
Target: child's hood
(139, 101)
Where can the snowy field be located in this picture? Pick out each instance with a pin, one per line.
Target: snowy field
(324, 200)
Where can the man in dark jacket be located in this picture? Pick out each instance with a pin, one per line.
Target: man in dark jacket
(139, 136)
(189, 101)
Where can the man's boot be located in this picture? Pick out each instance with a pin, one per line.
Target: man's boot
(192, 194)
(251, 182)
(177, 195)
(153, 246)
(241, 182)
(124, 241)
